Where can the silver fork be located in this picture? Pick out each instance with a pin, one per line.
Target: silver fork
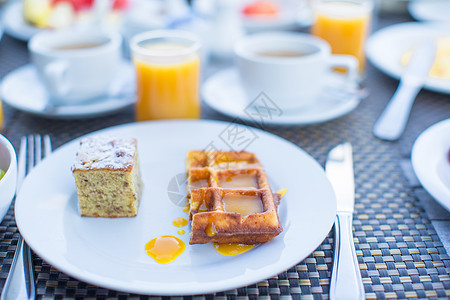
(20, 282)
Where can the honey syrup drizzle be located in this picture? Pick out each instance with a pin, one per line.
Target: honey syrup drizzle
(180, 222)
(231, 249)
(165, 249)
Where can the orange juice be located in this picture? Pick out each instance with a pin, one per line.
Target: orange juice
(168, 75)
(344, 25)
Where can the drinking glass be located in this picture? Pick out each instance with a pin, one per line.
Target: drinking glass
(344, 24)
(168, 74)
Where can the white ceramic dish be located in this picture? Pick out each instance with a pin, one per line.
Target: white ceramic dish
(8, 163)
(110, 252)
(224, 93)
(288, 20)
(401, 38)
(23, 90)
(430, 10)
(15, 24)
(293, 14)
(430, 160)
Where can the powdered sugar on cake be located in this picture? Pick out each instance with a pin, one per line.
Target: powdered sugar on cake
(105, 152)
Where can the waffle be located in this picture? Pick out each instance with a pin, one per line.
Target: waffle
(230, 199)
(222, 160)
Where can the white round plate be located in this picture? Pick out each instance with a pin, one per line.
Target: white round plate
(386, 47)
(15, 24)
(430, 10)
(110, 252)
(23, 90)
(223, 92)
(289, 19)
(293, 15)
(430, 160)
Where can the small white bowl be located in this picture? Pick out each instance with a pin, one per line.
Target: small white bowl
(8, 163)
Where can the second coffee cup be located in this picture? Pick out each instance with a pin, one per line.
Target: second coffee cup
(289, 68)
(76, 65)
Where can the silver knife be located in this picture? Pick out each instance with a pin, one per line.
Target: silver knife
(391, 124)
(346, 282)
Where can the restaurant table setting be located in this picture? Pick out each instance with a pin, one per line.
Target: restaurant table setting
(306, 86)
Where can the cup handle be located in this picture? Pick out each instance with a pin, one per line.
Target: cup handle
(56, 72)
(348, 62)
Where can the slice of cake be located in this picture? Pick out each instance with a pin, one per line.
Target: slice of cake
(107, 177)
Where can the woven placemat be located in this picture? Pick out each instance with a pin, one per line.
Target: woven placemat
(399, 253)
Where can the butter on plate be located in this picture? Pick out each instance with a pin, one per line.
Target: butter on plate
(441, 66)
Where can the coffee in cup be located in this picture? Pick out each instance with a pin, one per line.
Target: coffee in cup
(289, 68)
(76, 65)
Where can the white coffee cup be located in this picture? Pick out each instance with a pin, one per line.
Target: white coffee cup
(76, 65)
(289, 68)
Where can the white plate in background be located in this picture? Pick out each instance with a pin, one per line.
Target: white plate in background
(110, 252)
(293, 14)
(431, 161)
(15, 24)
(386, 47)
(430, 10)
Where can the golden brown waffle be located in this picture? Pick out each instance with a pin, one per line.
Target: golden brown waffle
(222, 160)
(237, 179)
(230, 198)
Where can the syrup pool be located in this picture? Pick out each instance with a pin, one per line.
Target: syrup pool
(165, 249)
(180, 222)
(232, 249)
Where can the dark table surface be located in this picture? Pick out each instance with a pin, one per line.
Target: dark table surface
(396, 222)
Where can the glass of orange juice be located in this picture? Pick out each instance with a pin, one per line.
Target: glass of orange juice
(168, 74)
(344, 24)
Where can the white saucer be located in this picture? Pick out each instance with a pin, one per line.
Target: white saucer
(224, 93)
(23, 90)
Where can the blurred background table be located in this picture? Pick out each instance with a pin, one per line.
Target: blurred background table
(396, 222)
